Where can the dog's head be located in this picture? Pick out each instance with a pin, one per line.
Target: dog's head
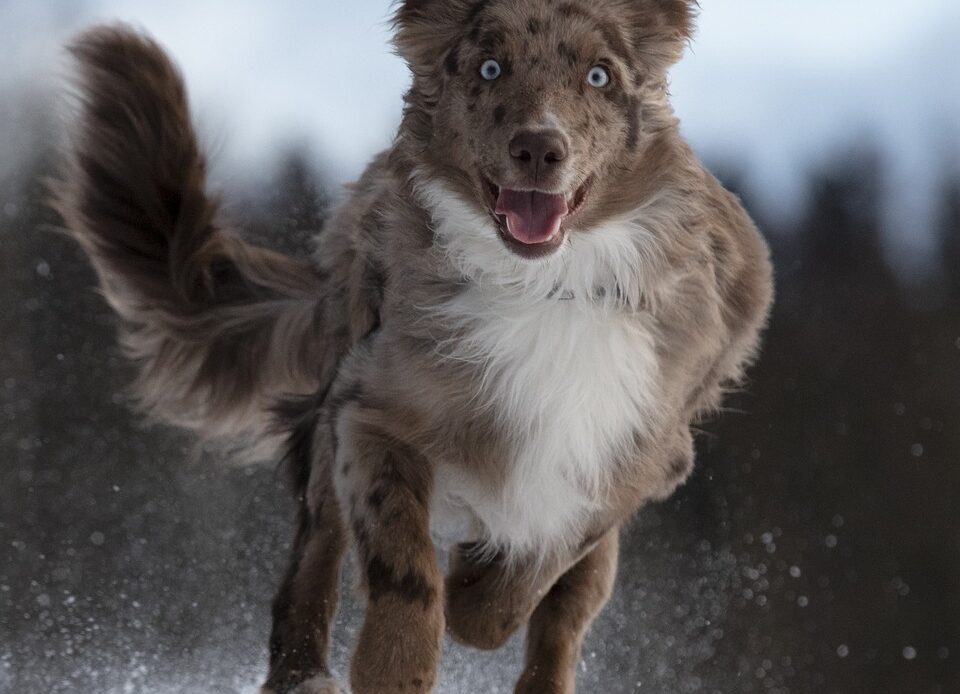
(535, 111)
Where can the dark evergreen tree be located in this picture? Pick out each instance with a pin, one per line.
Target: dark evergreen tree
(841, 228)
(949, 232)
(299, 202)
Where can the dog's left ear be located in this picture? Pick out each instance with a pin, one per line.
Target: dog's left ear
(662, 29)
(680, 16)
(427, 30)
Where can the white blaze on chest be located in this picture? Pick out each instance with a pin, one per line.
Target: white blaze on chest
(571, 384)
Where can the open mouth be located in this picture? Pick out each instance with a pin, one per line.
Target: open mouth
(533, 223)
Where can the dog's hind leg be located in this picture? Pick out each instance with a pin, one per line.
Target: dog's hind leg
(490, 598)
(305, 606)
(563, 617)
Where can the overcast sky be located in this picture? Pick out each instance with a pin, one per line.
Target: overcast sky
(773, 87)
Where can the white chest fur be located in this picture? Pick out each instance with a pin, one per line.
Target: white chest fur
(571, 382)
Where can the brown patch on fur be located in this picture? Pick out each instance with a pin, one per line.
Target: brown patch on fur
(452, 63)
(565, 51)
(632, 110)
(411, 586)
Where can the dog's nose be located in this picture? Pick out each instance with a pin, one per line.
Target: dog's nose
(538, 150)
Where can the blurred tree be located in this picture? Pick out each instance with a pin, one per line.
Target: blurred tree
(300, 196)
(841, 229)
(950, 234)
(288, 212)
(299, 201)
(843, 465)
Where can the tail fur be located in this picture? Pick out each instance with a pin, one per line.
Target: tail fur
(218, 328)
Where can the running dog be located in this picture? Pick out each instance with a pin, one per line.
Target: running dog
(500, 345)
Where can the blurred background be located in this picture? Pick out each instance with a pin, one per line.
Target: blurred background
(817, 547)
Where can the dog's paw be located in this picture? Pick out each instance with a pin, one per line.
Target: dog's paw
(481, 618)
(483, 610)
(315, 685)
(535, 681)
(318, 685)
(398, 651)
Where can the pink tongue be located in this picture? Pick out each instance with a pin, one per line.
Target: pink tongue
(532, 217)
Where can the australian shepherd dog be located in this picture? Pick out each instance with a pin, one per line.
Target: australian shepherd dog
(499, 346)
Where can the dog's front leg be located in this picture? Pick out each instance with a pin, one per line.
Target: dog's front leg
(386, 488)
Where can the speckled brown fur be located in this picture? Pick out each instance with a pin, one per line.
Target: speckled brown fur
(364, 332)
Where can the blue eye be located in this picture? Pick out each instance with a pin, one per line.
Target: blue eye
(490, 70)
(598, 77)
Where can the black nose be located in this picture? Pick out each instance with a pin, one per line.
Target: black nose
(538, 151)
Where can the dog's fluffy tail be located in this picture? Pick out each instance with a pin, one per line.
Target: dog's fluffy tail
(218, 328)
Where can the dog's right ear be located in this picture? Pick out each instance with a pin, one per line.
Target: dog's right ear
(428, 30)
